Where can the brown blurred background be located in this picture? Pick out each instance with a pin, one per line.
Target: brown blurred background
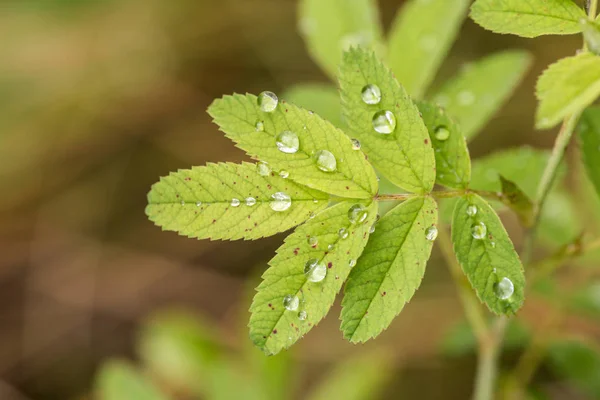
(98, 99)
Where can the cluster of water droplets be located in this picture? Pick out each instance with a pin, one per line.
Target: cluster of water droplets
(384, 121)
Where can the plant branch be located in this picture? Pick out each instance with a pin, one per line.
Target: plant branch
(440, 194)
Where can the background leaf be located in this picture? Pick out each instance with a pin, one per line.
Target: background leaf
(518, 201)
(487, 255)
(472, 98)
(528, 18)
(452, 161)
(238, 116)
(589, 133)
(567, 87)
(119, 381)
(390, 269)
(272, 327)
(321, 98)
(198, 202)
(578, 363)
(331, 27)
(420, 38)
(404, 156)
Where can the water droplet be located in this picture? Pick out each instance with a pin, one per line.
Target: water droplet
(315, 271)
(331, 247)
(260, 126)
(384, 122)
(351, 263)
(493, 244)
(198, 203)
(287, 142)
(182, 203)
(504, 289)
(357, 214)
(466, 98)
(313, 241)
(302, 315)
(371, 94)
(250, 201)
(442, 133)
(372, 229)
(343, 233)
(325, 161)
(284, 174)
(311, 215)
(267, 101)
(280, 202)
(263, 168)
(472, 210)
(290, 302)
(431, 233)
(355, 144)
(235, 202)
(478, 230)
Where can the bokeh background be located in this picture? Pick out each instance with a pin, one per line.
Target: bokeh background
(98, 99)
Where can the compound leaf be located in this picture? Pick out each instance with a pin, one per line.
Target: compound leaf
(348, 175)
(329, 242)
(472, 98)
(487, 255)
(332, 26)
(421, 36)
(403, 152)
(321, 98)
(229, 201)
(567, 87)
(452, 161)
(528, 18)
(390, 269)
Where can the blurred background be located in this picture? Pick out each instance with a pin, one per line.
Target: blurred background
(98, 99)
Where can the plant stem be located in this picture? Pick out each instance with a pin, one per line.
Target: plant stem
(487, 365)
(441, 194)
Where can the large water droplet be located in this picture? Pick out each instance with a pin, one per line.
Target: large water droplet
(284, 174)
(315, 271)
(287, 142)
(478, 230)
(250, 201)
(504, 289)
(325, 161)
(280, 202)
(357, 214)
(267, 101)
(355, 144)
(371, 94)
(291, 303)
(472, 210)
(352, 263)
(263, 168)
(442, 133)
(260, 126)
(235, 202)
(431, 233)
(302, 315)
(384, 122)
(313, 241)
(343, 233)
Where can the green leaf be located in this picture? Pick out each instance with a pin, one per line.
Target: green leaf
(198, 202)
(528, 18)
(420, 38)
(472, 98)
(332, 26)
(117, 380)
(518, 201)
(567, 87)
(272, 327)
(589, 133)
(578, 363)
(453, 164)
(352, 176)
(321, 98)
(404, 156)
(591, 34)
(487, 255)
(390, 269)
(348, 382)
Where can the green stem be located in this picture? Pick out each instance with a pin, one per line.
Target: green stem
(487, 365)
(442, 194)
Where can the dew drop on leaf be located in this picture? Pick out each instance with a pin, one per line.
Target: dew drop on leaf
(182, 203)
(287, 142)
(357, 214)
(198, 203)
(250, 201)
(384, 122)
(315, 271)
(343, 233)
(372, 229)
(352, 263)
(478, 230)
(267, 101)
(260, 126)
(355, 144)
(290, 302)
(263, 168)
(280, 202)
(313, 241)
(442, 133)
(471, 210)
(235, 202)
(302, 315)
(325, 161)
(431, 233)
(371, 94)
(504, 289)
(331, 247)
(284, 174)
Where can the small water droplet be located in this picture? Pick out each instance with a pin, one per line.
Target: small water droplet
(250, 201)
(287, 142)
(352, 263)
(311, 215)
(372, 229)
(260, 126)
(315, 201)
(182, 203)
(263, 168)
(384, 122)
(472, 210)
(290, 302)
(313, 241)
(343, 233)
(493, 244)
(235, 202)
(267, 101)
(280, 202)
(355, 144)
(315, 271)
(331, 247)
(357, 214)
(431, 233)
(442, 133)
(198, 203)
(371, 94)
(466, 98)
(504, 288)
(325, 161)
(284, 174)
(478, 230)
(302, 315)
